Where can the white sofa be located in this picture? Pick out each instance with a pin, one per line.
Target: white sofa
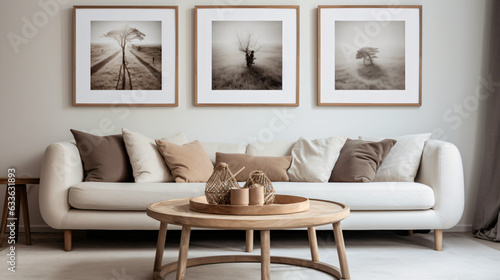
(434, 201)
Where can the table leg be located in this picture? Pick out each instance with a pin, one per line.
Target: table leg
(183, 253)
(16, 213)
(313, 243)
(265, 247)
(4, 214)
(26, 214)
(160, 246)
(249, 240)
(339, 241)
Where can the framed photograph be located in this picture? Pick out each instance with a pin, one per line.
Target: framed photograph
(125, 56)
(370, 55)
(247, 56)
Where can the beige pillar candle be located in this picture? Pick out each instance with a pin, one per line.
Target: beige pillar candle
(256, 195)
(239, 196)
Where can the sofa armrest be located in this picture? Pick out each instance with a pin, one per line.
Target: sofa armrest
(441, 169)
(61, 169)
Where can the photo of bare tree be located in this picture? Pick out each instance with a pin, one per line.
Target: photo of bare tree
(125, 55)
(369, 55)
(247, 55)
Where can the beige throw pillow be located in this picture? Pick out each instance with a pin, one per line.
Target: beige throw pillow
(313, 160)
(189, 163)
(148, 165)
(403, 161)
(274, 167)
(359, 160)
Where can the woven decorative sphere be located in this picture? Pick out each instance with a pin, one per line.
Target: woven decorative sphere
(258, 177)
(218, 187)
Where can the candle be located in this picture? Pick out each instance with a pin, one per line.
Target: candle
(256, 195)
(239, 197)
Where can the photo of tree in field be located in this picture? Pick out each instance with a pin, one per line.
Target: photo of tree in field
(247, 55)
(369, 55)
(125, 55)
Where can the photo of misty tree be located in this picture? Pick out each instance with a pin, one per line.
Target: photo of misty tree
(125, 55)
(247, 55)
(369, 55)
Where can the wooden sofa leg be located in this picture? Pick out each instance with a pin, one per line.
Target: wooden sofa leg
(438, 239)
(410, 232)
(67, 240)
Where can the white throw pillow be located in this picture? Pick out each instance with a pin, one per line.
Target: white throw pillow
(402, 162)
(313, 160)
(148, 165)
(270, 149)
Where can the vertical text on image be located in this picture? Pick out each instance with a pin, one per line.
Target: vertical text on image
(12, 220)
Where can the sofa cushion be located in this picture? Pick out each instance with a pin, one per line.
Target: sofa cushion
(230, 148)
(402, 162)
(358, 196)
(147, 163)
(104, 158)
(359, 160)
(189, 163)
(270, 149)
(313, 160)
(274, 167)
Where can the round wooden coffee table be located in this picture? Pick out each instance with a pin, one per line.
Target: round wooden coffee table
(177, 212)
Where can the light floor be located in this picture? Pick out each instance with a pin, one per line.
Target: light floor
(123, 255)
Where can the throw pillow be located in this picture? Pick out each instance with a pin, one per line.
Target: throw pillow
(359, 160)
(104, 158)
(189, 163)
(274, 167)
(313, 160)
(148, 165)
(403, 161)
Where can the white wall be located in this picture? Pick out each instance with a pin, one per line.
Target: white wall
(36, 89)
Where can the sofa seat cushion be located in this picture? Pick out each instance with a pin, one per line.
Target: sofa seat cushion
(358, 196)
(365, 196)
(128, 196)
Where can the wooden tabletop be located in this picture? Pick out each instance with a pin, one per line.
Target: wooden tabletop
(177, 212)
(20, 180)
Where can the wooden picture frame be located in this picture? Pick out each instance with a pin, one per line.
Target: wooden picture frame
(125, 56)
(370, 55)
(247, 55)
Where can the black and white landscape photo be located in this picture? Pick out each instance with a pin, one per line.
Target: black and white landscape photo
(247, 55)
(369, 55)
(125, 55)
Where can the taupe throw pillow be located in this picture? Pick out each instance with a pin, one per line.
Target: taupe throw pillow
(104, 158)
(274, 167)
(359, 160)
(188, 163)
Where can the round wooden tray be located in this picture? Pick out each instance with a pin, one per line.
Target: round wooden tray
(283, 204)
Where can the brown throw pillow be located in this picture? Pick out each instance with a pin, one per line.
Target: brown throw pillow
(359, 160)
(274, 167)
(189, 163)
(104, 158)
